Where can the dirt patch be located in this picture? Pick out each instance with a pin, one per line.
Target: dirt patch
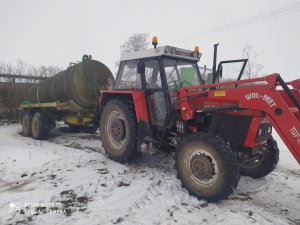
(83, 199)
(71, 203)
(103, 171)
(74, 145)
(24, 175)
(119, 220)
(122, 184)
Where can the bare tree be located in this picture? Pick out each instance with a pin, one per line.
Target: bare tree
(12, 89)
(252, 68)
(135, 42)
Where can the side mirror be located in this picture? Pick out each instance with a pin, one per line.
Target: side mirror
(141, 68)
(221, 71)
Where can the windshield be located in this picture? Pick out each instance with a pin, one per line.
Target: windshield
(181, 72)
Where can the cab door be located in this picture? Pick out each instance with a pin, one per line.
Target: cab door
(154, 93)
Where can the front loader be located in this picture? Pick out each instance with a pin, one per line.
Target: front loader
(218, 131)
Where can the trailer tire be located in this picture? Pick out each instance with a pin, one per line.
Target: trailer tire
(26, 123)
(265, 164)
(206, 166)
(118, 131)
(40, 126)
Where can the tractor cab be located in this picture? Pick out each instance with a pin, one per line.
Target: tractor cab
(159, 73)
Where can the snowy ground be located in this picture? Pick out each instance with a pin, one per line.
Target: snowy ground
(72, 172)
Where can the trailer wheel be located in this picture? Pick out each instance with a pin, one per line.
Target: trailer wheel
(118, 131)
(40, 126)
(264, 164)
(206, 166)
(26, 124)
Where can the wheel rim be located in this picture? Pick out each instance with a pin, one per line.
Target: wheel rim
(255, 162)
(202, 167)
(116, 130)
(35, 126)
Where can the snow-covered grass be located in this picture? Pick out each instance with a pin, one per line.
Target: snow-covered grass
(72, 172)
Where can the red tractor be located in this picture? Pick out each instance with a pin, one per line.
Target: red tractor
(218, 130)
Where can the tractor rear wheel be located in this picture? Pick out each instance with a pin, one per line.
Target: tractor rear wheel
(26, 124)
(264, 164)
(206, 166)
(118, 131)
(40, 126)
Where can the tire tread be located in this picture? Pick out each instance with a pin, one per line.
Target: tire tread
(229, 159)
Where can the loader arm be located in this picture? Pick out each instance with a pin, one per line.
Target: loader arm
(269, 96)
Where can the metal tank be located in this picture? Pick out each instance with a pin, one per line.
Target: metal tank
(78, 84)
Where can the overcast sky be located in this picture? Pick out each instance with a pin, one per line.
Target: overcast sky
(56, 32)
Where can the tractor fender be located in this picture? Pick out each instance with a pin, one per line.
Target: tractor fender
(135, 96)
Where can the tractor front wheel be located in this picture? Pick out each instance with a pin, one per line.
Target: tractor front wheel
(206, 166)
(263, 164)
(118, 131)
(40, 126)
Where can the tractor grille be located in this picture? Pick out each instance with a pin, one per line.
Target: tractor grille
(232, 128)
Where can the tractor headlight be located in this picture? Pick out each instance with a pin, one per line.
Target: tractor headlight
(263, 133)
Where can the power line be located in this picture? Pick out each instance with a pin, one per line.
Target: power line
(250, 20)
(260, 18)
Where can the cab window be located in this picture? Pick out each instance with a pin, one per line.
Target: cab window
(152, 74)
(128, 78)
(181, 73)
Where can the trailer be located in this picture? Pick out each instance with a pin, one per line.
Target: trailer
(70, 96)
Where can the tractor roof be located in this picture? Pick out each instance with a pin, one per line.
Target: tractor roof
(161, 51)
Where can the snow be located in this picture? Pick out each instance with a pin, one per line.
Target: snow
(71, 171)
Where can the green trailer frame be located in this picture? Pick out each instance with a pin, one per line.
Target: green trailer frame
(78, 118)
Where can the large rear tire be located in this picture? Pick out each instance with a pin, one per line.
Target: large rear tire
(40, 126)
(26, 123)
(206, 166)
(264, 164)
(118, 131)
